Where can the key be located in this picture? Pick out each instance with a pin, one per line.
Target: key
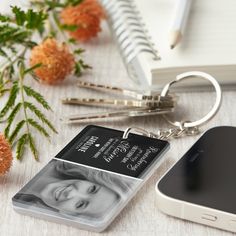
(116, 114)
(139, 104)
(125, 92)
(124, 103)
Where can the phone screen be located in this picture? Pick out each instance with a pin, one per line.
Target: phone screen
(206, 174)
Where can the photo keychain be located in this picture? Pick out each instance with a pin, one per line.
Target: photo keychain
(94, 176)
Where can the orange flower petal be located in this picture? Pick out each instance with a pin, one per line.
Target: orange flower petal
(5, 155)
(86, 16)
(92, 7)
(57, 62)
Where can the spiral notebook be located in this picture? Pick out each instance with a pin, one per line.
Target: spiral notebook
(141, 29)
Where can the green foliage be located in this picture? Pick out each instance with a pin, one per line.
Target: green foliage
(11, 99)
(4, 18)
(16, 131)
(37, 126)
(21, 146)
(3, 83)
(21, 91)
(52, 4)
(31, 69)
(73, 2)
(69, 27)
(6, 75)
(40, 115)
(11, 117)
(30, 19)
(80, 66)
(78, 69)
(72, 41)
(32, 147)
(18, 30)
(21, 31)
(79, 51)
(37, 96)
(3, 53)
(11, 35)
(1, 78)
(3, 91)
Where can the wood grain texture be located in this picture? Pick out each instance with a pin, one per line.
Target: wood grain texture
(141, 216)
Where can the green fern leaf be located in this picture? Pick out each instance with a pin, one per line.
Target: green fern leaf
(11, 100)
(11, 118)
(33, 148)
(37, 126)
(31, 69)
(16, 131)
(3, 91)
(21, 146)
(31, 19)
(79, 51)
(73, 2)
(3, 53)
(40, 115)
(37, 96)
(4, 18)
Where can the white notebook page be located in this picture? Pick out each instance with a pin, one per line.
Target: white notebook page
(209, 38)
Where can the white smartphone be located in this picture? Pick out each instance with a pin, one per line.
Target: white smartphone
(201, 186)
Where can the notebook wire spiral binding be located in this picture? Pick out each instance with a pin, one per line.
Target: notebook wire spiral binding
(129, 33)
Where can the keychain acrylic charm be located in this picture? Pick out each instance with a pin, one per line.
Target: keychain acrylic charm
(92, 179)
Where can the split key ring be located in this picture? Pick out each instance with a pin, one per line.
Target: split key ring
(211, 113)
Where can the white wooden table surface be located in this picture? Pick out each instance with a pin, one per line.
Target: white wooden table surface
(141, 216)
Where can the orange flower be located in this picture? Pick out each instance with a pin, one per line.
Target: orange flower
(92, 7)
(5, 155)
(87, 16)
(56, 59)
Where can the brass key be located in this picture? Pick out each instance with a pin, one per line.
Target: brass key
(145, 95)
(115, 114)
(117, 102)
(138, 103)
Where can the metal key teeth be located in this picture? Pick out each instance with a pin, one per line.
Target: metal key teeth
(84, 84)
(139, 95)
(115, 114)
(138, 104)
(117, 102)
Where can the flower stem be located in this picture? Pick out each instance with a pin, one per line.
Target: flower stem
(54, 20)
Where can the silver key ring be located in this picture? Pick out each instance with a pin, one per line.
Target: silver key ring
(211, 113)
